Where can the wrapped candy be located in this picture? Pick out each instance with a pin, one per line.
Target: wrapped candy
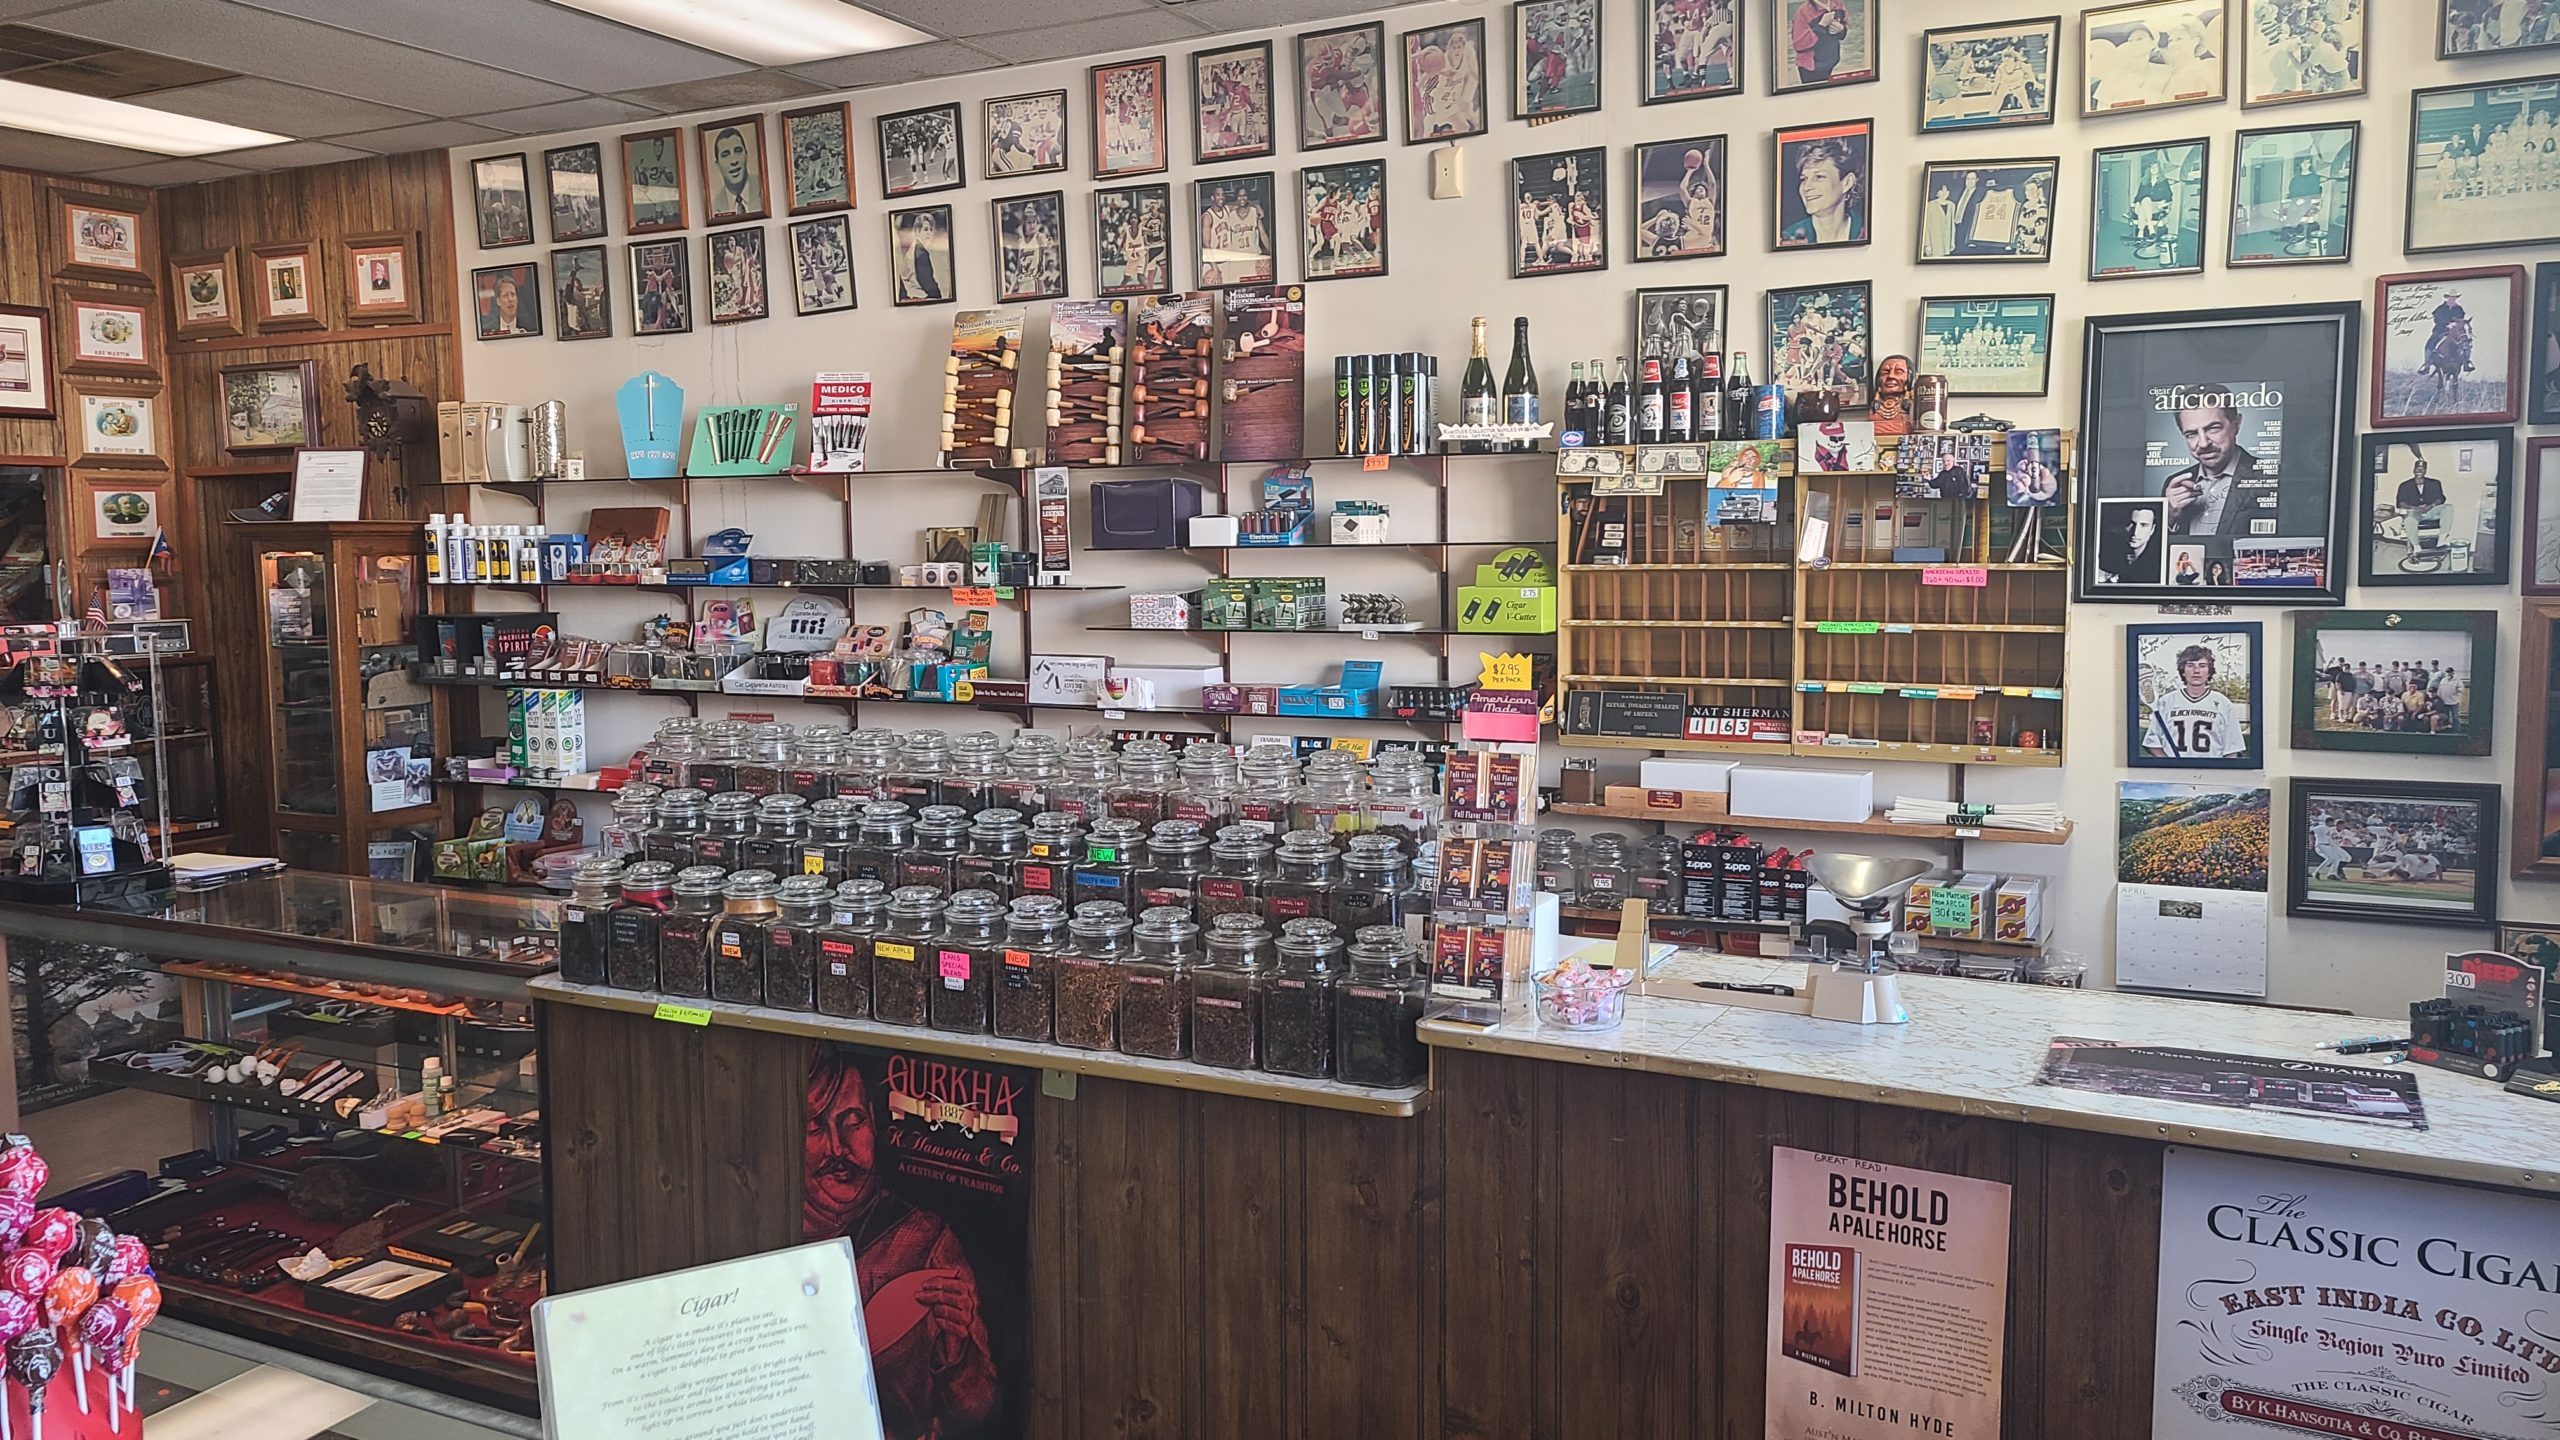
(95, 1250)
(26, 1272)
(34, 1359)
(18, 1315)
(22, 1170)
(52, 1231)
(132, 1258)
(15, 1212)
(102, 1332)
(141, 1295)
(70, 1294)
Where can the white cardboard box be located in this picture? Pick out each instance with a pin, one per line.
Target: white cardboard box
(1706, 775)
(1776, 792)
(1174, 687)
(1067, 679)
(1213, 530)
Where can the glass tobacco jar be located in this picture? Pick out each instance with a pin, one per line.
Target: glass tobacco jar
(885, 835)
(782, 823)
(679, 825)
(915, 776)
(1654, 868)
(1051, 852)
(718, 746)
(1155, 984)
(1377, 1003)
(764, 758)
(1372, 888)
(1297, 1006)
(1239, 864)
(727, 820)
(1607, 877)
(902, 956)
(668, 758)
(1031, 766)
(585, 917)
(684, 933)
(828, 848)
(1560, 865)
(1329, 799)
(631, 931)
(856, 914)
(1034, 935)
(1110, 863)
(1403, 801)
(1226, 994)
(942, 833)
(1145, 791)
(977, 767)
(998, 841)
(1086, 773)
(791, 943)
(635, 808)
(966, 959)
(1268, 792)
(748, 906)
(1088, 983)
(1177, 861)
(1205, 794)
(863, 774)
(817, 752)
(1303, 875)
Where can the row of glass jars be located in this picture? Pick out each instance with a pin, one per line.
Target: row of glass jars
(1233, 997)
(1607, 870)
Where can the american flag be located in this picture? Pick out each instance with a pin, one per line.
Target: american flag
(96, 618)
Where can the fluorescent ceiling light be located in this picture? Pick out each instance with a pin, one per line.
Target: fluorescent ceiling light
(113, 122)
(768, 32)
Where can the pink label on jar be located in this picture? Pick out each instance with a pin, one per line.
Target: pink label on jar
(955, 965)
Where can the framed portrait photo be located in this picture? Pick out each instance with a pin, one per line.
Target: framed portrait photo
(734, 263)
(734, 183)
(1031, 247)
(1555, 57)
(1822, 337)
(1444, 83)
(1988, 210)
(381, 272)
(2479, 175)
(1560, 212)
(1692, 49)
(506, 301)
(1985, 77)
(109, 334)
(817, 157)
(1231, 103)
(1342, 213)
(2448, 345)
(2542, 515)
(2481, 27)
(1825, 179)
(2146, 210)
(2293, 195)
(661, 287)
(2154, 54)
(1026, 134)
(2437, 507)
(2407, 682)
(2301, 52)
(1989, 344)
(573, 179)
(2194, 695)
(122, 508)
(581, 294)
(1233, 225)
(1822, 42)
(270, 406)
(2542, 352)
(1133, 240)
(920, 151)
(1680, 208)
(1128, 99)
(102, 238)
(2231, 430)
(288, 279)
(2403, 852)
(117, 428)
(1342, 86)
(26, 362)
(1676, 321)
(204, 293)
(920, 256)
(653, 189)
(502, 198)
(822, 265)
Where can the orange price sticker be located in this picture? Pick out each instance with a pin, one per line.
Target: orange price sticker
(1373, 462)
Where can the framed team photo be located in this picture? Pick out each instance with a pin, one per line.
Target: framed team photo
(822, 265)
(1680, 199)
(2482, 168)
(1444, 83)
(1343, 219)
(2154, 54)
(2437, 507)
(2400, 682)
(580, 294)
(920, 256)
(661, 287)
(2146, 210)
(1231, 100)
(2291, 52)
(1233, 220)
(1988, 210)
(1560, 212)
(734, 184)
(1128, 118)
(1683, 321)
(1031, 247)
(1555, 57)
(574, 175)
(2542, 516)
(920, 151)
(2448, 346)
(1342, 86)
(2195, 696)
(1026, 135)
(1822, 43)
(1989, 344)
(817, 158)
(1824, 179)
(1822, 337)
(1984, 77)
(1133, 240)
(2293, 195)
(2481, 27)
(1692, 49)
(2400, 851)
(734, 261)
(2542, 353)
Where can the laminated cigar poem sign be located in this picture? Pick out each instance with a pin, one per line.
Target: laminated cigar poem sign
(1888, 1298)
(2304, 1300)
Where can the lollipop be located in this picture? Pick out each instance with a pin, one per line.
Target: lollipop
(102, 1332)
(132, 1258)
(70, 1293)
(18, 1315)
(141, 1295)
(52, 1231)
(22, 1170)
(26, 1272)
(96, 1248)
(34, 1359)
(15, 1212)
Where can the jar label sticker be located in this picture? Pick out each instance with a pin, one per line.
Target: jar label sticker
(1017, 959)
(832, 948)
(730, 949)
(955, 967)
(1095, 881)
(1035, 877)
(888, 951)
(1103, 854)
(683, 1014)
(812, 863)
(1222, 889)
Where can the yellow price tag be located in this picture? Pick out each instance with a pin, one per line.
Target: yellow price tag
(683, 1014)
(1507, 672)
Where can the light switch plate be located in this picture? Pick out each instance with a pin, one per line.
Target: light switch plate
(1448, 172)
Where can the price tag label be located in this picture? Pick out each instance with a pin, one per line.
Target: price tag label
(1506, 672)
(973, 595)
(1005, 592)
(1967, 576)
(682, 1014)
(1950, 911)
(1373, 462)
(1847, 627)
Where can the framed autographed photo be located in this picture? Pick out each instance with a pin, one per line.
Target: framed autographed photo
(2194, 692)
(2437, 507)
(2448, 346)
(2231, 431)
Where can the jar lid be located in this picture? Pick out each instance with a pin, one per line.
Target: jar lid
(1166, 921)
(648, 875)
(780, 806)
(864, 894)
(731, 805)
(749, 883)
(1057, 821)
(684, 799)
(700, 880)
(915, 900)
(1101, 911)
(1042, 909)
(1000, 817)
(885, 812)
(1179, 832)
(806, 890)
(1306, 844)
(637, 793)
(834, 810)
(596, 869)
(973, 905)
(1245, 838)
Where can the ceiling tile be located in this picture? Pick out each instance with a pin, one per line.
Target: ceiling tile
(1225, 15)
(270, 105)
(530, 37)
(27, 44)
(19, 9)
(897, 67)
(563, 115)
(429, 135)
(122, 74)
(172, 172)
(293, 156)
(1092, 37)
(748, 87)
(961, 19)
(29, 151)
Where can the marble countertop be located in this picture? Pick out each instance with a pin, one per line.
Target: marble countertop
(1975, 1047)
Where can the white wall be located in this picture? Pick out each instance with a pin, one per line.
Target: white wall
(1450, 260)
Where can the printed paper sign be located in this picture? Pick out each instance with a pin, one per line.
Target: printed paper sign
(1968, 576)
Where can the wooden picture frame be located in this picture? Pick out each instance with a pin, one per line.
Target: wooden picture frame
(2443, 512)
(1944, 108)
(750, 197)
(108, 334)
(2110, 84)
(204, 293)
(100, 237)
(2445, 179)
(2356, 77)
(2378, 804)
(254, 419)
(26, 363)
(2403, 399)
(123, 428)
(282, 302)
(382, 278)
(818, 177)
(2371, 645)
(115, 510)
(576, 206)
(1152, 155)
(662, 201)
(2536, 849)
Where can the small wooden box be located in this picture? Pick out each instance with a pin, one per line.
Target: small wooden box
(1667, 804)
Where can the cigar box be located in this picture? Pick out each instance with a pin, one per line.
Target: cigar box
(1666, 804)
(379, 1292)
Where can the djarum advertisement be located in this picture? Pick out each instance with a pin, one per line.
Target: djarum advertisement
(1888, 1295)
(2297, 1300)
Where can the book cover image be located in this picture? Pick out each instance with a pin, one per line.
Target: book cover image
(1821, 1307)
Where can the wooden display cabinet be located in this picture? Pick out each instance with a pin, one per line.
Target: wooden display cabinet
(2535, 851)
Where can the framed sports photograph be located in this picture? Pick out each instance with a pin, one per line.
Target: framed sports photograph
(2293, 195)
(1680, 199)
(1232, 224)
(1824, 180)
(1673, 322)
(1692, 49)
(204, 293)
(1231, 103)
(734, 184)
(1560, 212)
(817, 157)
(920, 151)
(1128, 118)
(1823, 42)
(573, 177)
(2154, 54)
(103, 238)
(2481, 27)
(2407, 682)
(382, 278)
(661, 287)
(501, 196)
(1983, 77)
(110, 335)
(2194, 692)
(920, 256)
(117, 428)
(2291, 52)
(2437, 507)
(2542, 355)
(2448, 345)
(2480, 177)
(1133, 240)
(2146, 210)
(1342, 86)
(1988, 210)
(1444, 82)
(1026, 135)
(1822, 337)
(1555, 57)
(2542, 516)
(1031, 247)
(581, 295)
(822, 265)
(26, 362)
(2234, 427)
(274, 405)
(506, 301)
(653, 189)
(2400, 851)
(1989, 344)
(1343, 219)
(288, 278)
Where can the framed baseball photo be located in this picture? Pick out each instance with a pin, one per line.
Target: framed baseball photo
(2293, 195)
(2437, 507)
(2400, 851)
(2195, 696)
(2480, 175)
(2448, 345)
(1988, 210)
(1984, 77)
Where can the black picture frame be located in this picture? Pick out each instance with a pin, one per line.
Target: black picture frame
(2343, 211)
(2322, 718)
(660, 275)
(992, 120)
(1782, 51)
(1590, 161)
(755, 303)
(1202, 152)
(1048, 207)
(2499, 45)
(1522, 107)
(2161, 729)
(1106, 204)
(2033, 228)
(2426, 536)
(2424, 190)
(1479, 119)
(2542, 357)
(2006, 30)
(941, 286)
(1259, 185)
(1650, 34)
(2384, 802)
(1854, 141)
(1657, 186)
(895, 129)
(1655, 330)
(486, 316)
(1351, 173)
(2103, 264)
(503, 225)
(577, 318)
(1376, 31)
(1852, 306)
(1956, 384)
(577, 226)
(837, 230)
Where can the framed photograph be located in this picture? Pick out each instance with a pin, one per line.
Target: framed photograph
(1824, 180)
(2153, 54)
(1031, 247)
(661, 287)
(2293, 195)
(2542, 516)
(1683, 320)
(653, 194)
(734, 184)
(1026, 134)
(822, 265)
(2294, 52)
(2035, 475)
(1692, 49)
(110, 334)
(573, 176)
(2542, 359)
(1444, 83)
(1231, 103)
(269, 406)
(1555, 57)
(581, 293)
(2407, 682)
(734, 263)
(1343, 219)
(2448, 345)
(102, 238)
(117, 429)
(2479, 175)
(1822, 42)
(1342, 86)
(1232, 217)
(2194, 696)
(382, 278)
(2146, 210)
(1983, 77)
(1822, 337)
(502, 197)
(1560, 212)
(288, 279)
(1133, 240)
(204, 293)
(2235, 428)
(2530, 941)
(920, 151)
(1128, 118)
(122, 508)
(26, 362)
(2438, 505)
(1989, 344)
(920, 256)
(817, 157)
(2480, 27)
(506, 301)
(1680, 199)
(1988, 210)
(2400, 851)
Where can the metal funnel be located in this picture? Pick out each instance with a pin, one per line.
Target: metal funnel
(1857, 881)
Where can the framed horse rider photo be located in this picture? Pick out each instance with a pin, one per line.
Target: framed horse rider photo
(2448, 347)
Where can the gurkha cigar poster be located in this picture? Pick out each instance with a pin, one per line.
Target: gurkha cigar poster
(925, 1164)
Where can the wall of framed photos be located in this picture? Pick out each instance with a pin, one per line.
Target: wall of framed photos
(2118, 195)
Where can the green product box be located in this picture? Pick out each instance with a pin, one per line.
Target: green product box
(1506, 609)
(1290, 602)
(1227, 605)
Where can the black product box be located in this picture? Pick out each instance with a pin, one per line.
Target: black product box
(379, 1292)
(764, 570)
(1425, 702)
(1633, 714)
(827, 572)
(468, 1242)
(1143, 514)
(370, 1029)
(1701, 872)
(504, 637)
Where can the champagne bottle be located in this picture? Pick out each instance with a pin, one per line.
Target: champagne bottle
(1520, 385)
(1706, 406)
(1678, 417)
(1478, 402)
(1649, 403)
(1621, 407)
